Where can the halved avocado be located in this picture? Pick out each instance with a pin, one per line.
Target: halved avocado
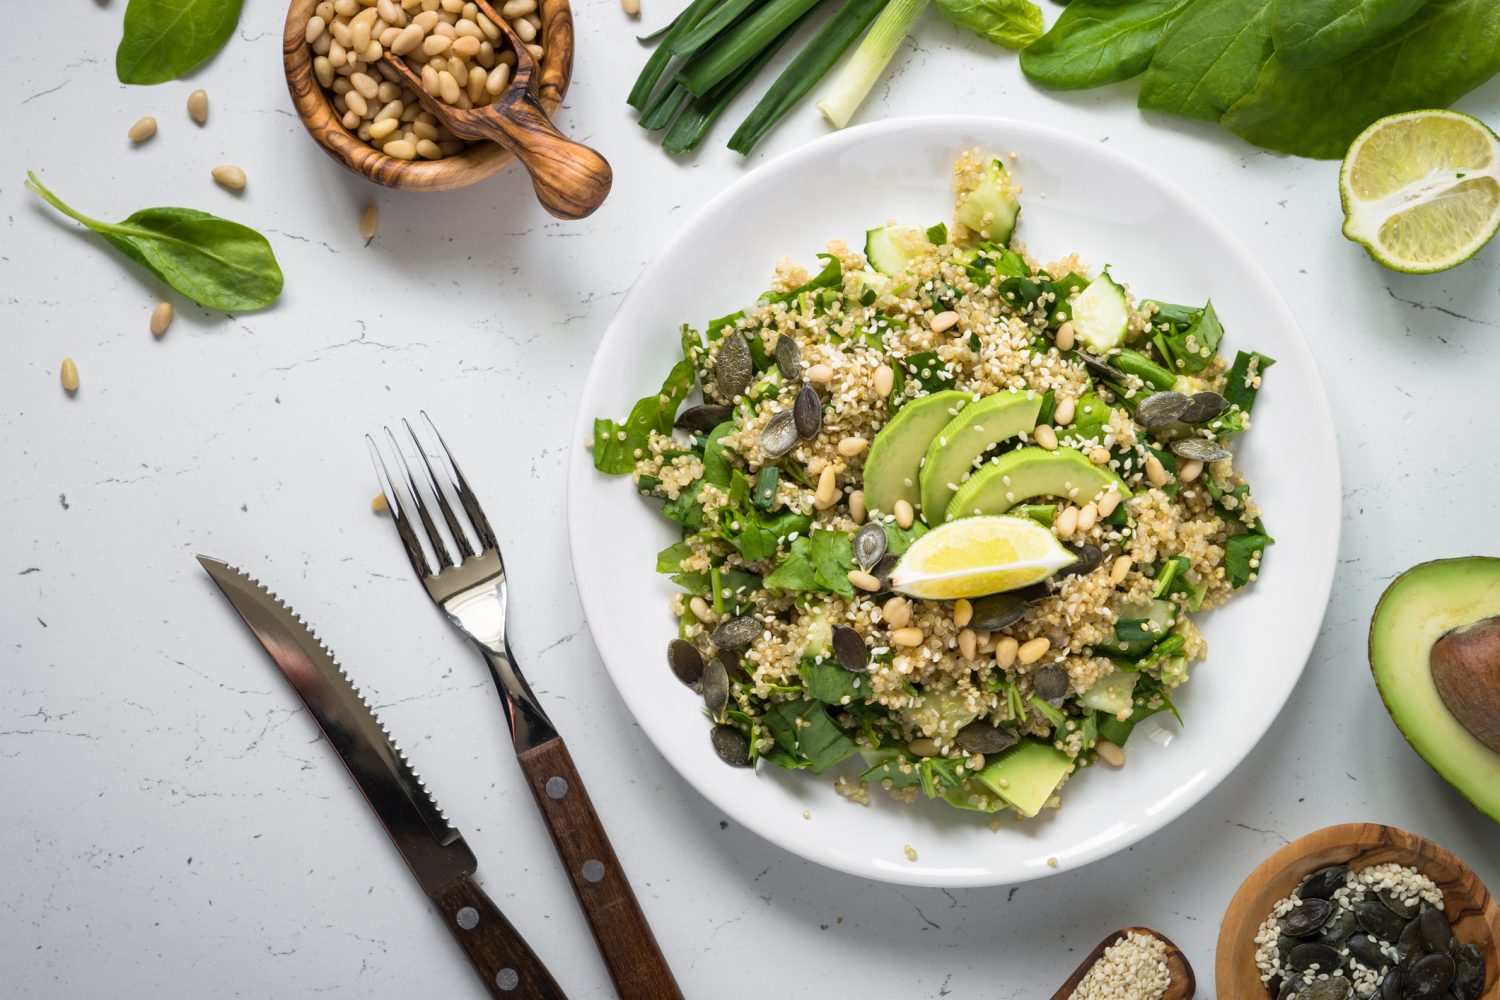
(1019, 475)
(977, 429)
(1422, 606)
(894, 464)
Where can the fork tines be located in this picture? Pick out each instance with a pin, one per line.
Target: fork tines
(397, 500)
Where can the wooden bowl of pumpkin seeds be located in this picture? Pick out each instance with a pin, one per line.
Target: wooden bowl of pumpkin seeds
(1360, 910)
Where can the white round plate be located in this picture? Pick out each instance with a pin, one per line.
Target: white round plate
(1078, 196)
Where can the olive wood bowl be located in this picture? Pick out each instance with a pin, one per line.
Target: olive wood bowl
(477, 162)
(1181, 985)
(1467, 903)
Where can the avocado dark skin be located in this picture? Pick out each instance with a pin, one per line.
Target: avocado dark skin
(1465, 666)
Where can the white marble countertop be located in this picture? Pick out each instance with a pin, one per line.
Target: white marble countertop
(173, 827)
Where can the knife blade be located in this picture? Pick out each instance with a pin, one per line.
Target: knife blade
(434, 850)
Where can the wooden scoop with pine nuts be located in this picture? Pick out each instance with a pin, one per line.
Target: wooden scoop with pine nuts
(571, 180)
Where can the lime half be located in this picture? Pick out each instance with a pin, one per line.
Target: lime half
(1421, 190)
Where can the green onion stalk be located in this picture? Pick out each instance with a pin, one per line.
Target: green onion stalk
(858, 75)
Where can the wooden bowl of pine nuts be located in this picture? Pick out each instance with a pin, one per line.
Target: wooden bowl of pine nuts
(356, 105)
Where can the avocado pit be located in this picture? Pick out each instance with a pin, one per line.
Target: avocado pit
(1465, 665)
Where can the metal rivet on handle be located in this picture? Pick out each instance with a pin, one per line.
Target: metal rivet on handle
(507, 979)
(556, 787)
(593, 870)
(468, 918)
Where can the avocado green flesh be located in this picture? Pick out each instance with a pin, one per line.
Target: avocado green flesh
(976, 429)
(1020, 475)
(894, 466)
(1422, 605)
(1026, 775)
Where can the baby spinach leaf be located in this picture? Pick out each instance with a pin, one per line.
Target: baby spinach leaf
(1243, 380)
(833, 557)
(796, 570)
(615, 445)
(803, 729)
(1447, 49)
(1208, 58)
(166, 38)
(1013, 24)
(1310, 33)
(1189, 350)
(215, 262)
(1241, 557)
(1095, 42)
(827, 681)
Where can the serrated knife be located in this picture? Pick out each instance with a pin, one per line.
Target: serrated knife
(433, 849)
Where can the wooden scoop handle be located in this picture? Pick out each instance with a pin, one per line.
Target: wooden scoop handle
(571, 180)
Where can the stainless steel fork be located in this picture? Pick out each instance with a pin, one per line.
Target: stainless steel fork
(471, 590)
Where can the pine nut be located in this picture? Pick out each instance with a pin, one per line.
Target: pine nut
(963, 612)
(885, 380)
(1033, 650)
(1066, 522)
(143, 129)
(422, 130)
(229, 176)
(863, 580)
(968, 643)
(1045, 436)
(356, 103)
(1156, 474)
(632, 8)
(1109, 753)
(1005, 652)
(1065, 338)
(853, 445)
(68, 374)
(857, 506)
(536, 52)
(944, 320)
(467, 28)
(517, 8)
(821, 374)
(498, 78)
(905, 516)
(896, 612)
(1120, 570)
(1099, 456)
(369, 220)
(923, 746)
(448, 87)
(161, 318)
(428, 150)
(315, 28)
(378, 505)
(986, 643)
(827, 491)
(908, 637)
(1109, 501)
(365, 84)
(466, 47)
(1190, 470)
(408, 40)
(524, 30)
(1087, 515)
(401, 149)
(323, 70)
(1062, 413)
(436, 44)
(359, 34)
(701, 610)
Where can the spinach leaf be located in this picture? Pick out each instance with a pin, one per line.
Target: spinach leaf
(685, 510)
(796, 570)
(1243, 381)
(833, 558)
(1013, 24)
(1242, 557)
(828, 681)
(716, 468)
(166, 38)
(615, 445)
(803, 729)
(1208, 58)
(1310, 33)
(1191, 349)
(1447, 49)
(1095, 42)
(832, 276)
(215, 262)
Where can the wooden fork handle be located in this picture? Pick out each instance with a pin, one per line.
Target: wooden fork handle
(507, 965)
(630, 951)
(571, 180)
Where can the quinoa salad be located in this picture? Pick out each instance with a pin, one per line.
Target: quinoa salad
(946, 509)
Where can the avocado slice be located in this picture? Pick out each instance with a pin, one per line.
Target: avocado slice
(1019, 475)
(976, 429)
(1422, 606)
(894, 465)
(1026, 775)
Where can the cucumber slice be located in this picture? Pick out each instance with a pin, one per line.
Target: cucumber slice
(990, 208)
(1141, 626)
(1101, 315)
(890, 248)
(1113, 693)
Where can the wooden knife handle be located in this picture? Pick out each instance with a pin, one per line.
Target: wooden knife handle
(505, 962)
(630, 951)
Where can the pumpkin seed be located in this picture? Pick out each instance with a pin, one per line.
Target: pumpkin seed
(736, 633)
(1468, 978)
(1379, 921)
(1368, 951)
(1102, 368)
(1033, 593)
(1339, 927)
(981, 737)
(715, 689)
(849, 647)
(1409, 944)
(1429, 978)
(733, 367)
(704, 417)
(869, 545)
(685, 660)
(1199, 449)
(1307, 918)
(1051, 683)
(779, 435)
(1088, 559)
(788, 358)
(1437, 936)
(1406, 909)
(884, 569)
(732, 746)
(1161, 409)
(807, 411)
(998, 611)
(1203, 407)
(1305, 956)
(1288, 989)
(1333, 988)
(1322, 883)
(1390, 986)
